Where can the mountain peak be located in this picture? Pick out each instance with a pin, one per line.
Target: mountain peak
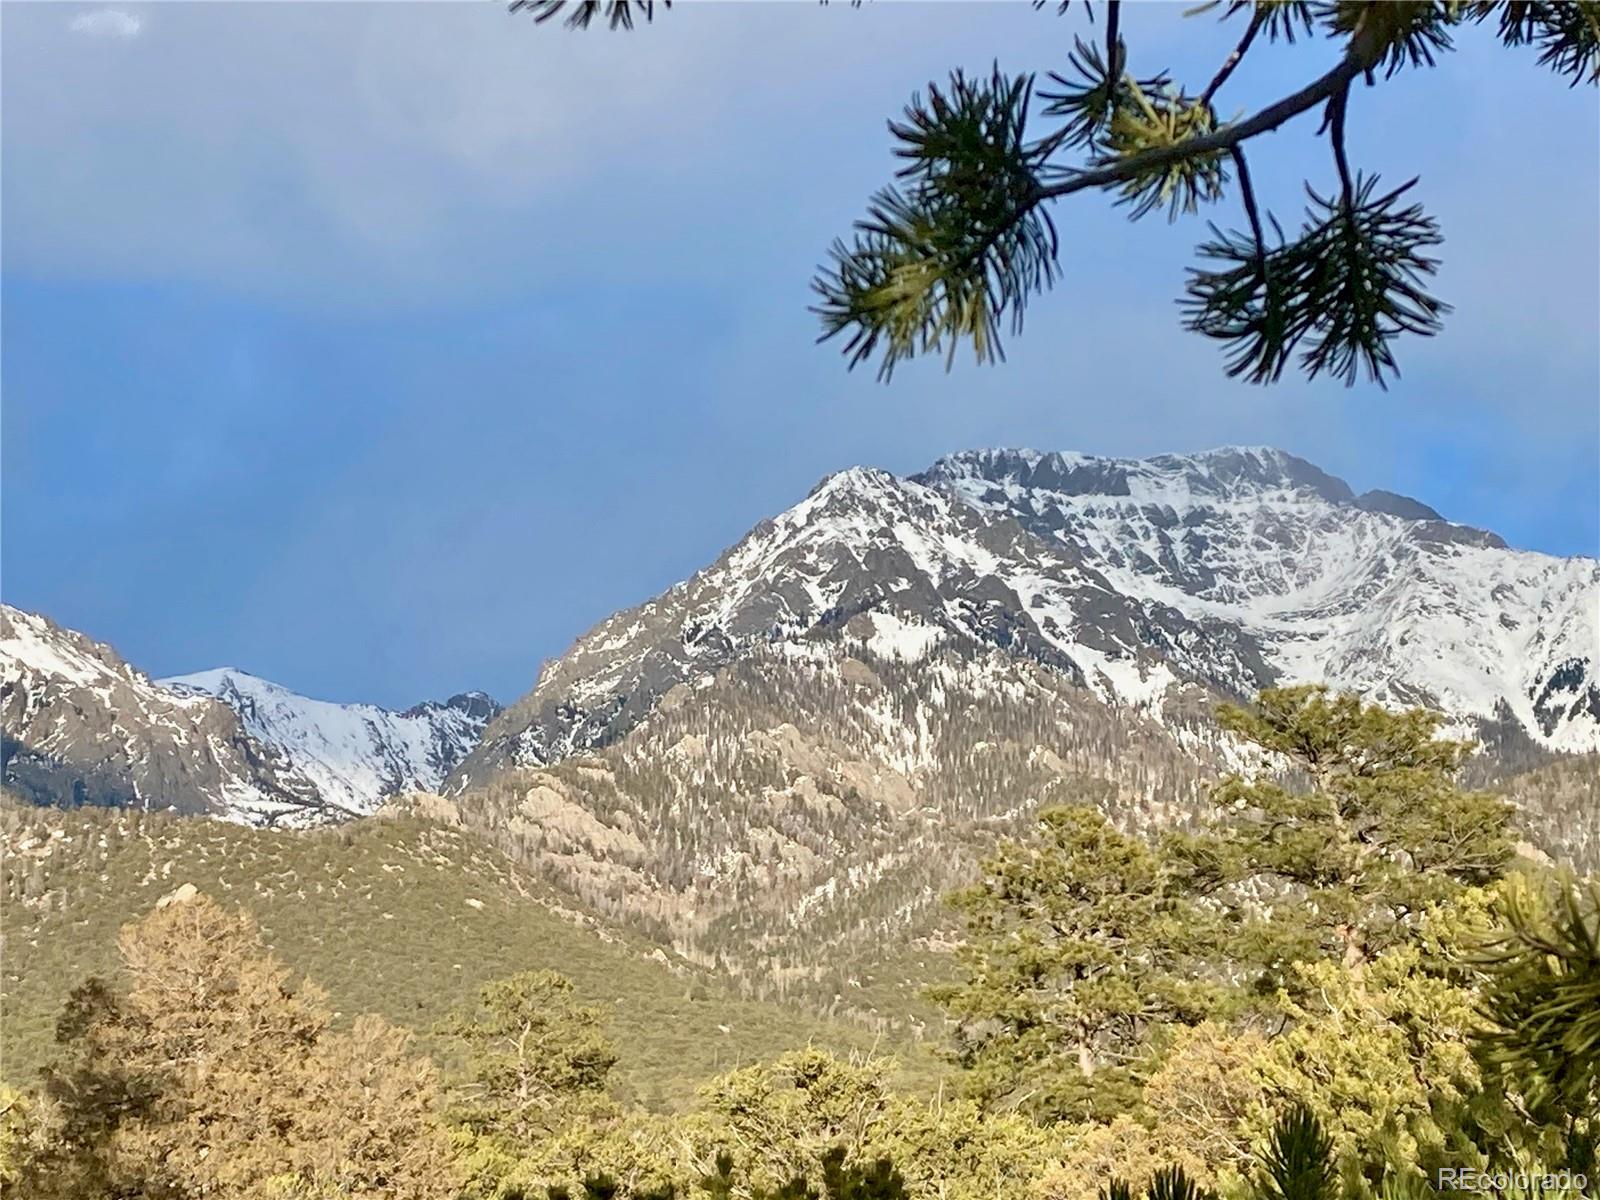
(85, 727)
(857, 480)
(1227, 472)
(1222, 474)
(218, 679)
(354, 754)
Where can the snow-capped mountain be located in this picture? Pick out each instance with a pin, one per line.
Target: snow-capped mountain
(354, 755)
(1228, 571)
(1148, 587)
(1374, 593)
(788, 758)
(928, 567)
(83, 727)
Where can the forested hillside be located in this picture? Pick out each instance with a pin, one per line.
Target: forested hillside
(399, 917)
(1349, 974)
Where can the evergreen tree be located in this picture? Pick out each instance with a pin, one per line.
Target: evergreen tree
(536, 1057)
(1543, 1001)
(1369, 828)
(1298, 1163)
(211, 1074)
(1078, 945)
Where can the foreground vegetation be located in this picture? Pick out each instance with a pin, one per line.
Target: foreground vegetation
(1342, 985)
(400, 918)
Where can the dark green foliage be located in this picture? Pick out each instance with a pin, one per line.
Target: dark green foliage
(536, 1058)
(1407, 33)
(873, 1181)
(1298, 1164)
(719, 1185)
(1168, 1183)
(1373, 831)
(878, 1180)
(1343, 292)
(1087, 942)
(1345, 287)
(1543, 1001)
(1566, 33)
(1173, 1183)
(1086, 96)
(619, 14)
(1078, 946)
(600, 1187)
(1277, 20)
(960, 245)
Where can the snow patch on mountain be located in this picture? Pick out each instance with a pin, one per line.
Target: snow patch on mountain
(1382, 597)
(894, 637)
(1226, 571)
(355, 755)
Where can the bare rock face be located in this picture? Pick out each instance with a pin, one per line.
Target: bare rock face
(1227, 571)
(83, 727)
(181, 894)
(427, 806)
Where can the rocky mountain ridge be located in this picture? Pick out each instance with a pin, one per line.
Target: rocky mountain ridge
(1152, 587)
(780, 765)
(83, 727)
(1374, 593)
(1227, 571)
(354, 755)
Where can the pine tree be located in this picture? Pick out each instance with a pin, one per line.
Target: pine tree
(212, 1073)
(1369, 829)
(1078, 946)
(536, 1057)
(1543, 1001)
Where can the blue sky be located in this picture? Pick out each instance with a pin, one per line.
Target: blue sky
(382, 349)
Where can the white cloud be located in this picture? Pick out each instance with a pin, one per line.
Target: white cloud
(107, 23)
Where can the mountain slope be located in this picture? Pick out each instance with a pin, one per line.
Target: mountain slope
(82, 727)
(1230, 570)
(354, 755)
(1373, 593)
(780, 765)
(934, 569)
(399, 917)
(793, 815)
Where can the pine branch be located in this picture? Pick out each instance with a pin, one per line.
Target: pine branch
(1335, 125)
(619, 14)
(1257, 20)
(1113, 46)
(1251, 211)
(1355, 62)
